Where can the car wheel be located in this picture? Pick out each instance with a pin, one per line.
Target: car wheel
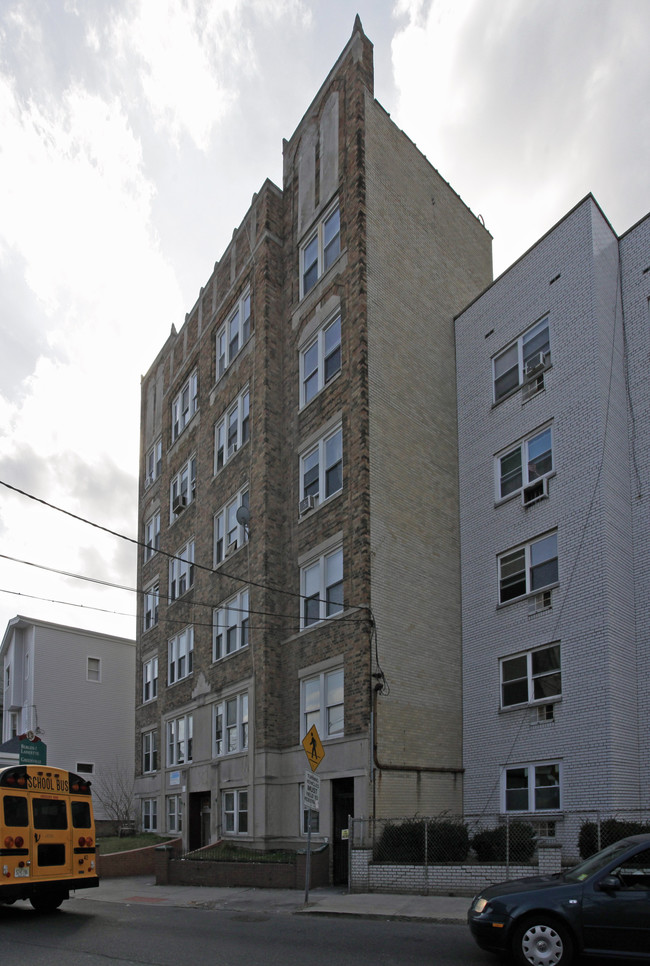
(542, 941)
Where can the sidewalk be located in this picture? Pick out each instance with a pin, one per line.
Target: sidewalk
(330, 901)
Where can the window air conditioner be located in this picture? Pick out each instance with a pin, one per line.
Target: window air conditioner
(535, 491)
(306, 505)
(232, 449)
(231, 548)
(179, 504)
(535, 363)
(540, 602)
(148, 480)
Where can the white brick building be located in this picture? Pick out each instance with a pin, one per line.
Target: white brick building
(553, 405)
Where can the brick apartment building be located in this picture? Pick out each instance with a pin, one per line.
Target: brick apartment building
(554, 457)
(298, 496)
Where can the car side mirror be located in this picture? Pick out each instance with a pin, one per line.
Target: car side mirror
(609, 883)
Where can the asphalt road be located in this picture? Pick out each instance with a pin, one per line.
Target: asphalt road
(113, 934)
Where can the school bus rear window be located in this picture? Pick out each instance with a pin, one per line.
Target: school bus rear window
(80, 814)
(49, 814)
(15, 810)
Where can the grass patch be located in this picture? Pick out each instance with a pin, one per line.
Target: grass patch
(109, 844)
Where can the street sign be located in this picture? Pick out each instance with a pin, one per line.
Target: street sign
(312, 791)
(32, 752)
(313, 748)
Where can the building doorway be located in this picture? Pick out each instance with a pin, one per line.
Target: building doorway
(342, 808)
(199, 820)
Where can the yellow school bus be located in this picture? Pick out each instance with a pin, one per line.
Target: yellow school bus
(47, 835)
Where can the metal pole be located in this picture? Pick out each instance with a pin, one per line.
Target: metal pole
(308, 862)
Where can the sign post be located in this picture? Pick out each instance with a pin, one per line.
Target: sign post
(315, 754)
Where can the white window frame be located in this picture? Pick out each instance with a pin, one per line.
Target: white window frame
(149, 751)
(94, 669)
(533, 788)
(230, 726)
(514, 357)
(85, 768)
(526, 558)
(318, 579)
(153, 463)
(320, 249)
(174, 809)
(149, 680)
(232, 336)
(316, 359)
(181, 571)
(227, 532)
(232, 430)
(151, 605)
(182, 487)
(230, 625)
(527, 675)
(149, 814)
(328, 711)
(180, 655)
(152, 536)
(234, 805)
(185, 405)
(527, 467)
(316, 459)
(179, 733)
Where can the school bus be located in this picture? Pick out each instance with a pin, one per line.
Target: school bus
(47, 835)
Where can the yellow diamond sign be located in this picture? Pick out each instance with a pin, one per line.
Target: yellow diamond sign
(313, 748)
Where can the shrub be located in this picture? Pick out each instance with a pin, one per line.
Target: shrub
(401, 843)
(446, 841)
(491, 845)
(611, 830)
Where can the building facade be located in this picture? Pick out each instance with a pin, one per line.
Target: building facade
(553, 417)
(74, 689)
(298, 497)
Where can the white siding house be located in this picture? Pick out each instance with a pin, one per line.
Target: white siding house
(75, 690)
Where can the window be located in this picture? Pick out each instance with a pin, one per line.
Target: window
(149, 815)
(230, 626)
(153, 463)
(315, 816)
(151, 536)
(528, 569)
(322, 703)
(231, 726)
(175, 813)
(185, 405)
(320, 360)
(235, 811)
(182, 490)
(151, 601)
(181, 571)
(532, 788)
(150, 679)
(232, 336)
(150, 751)
(321, 468)
(320, 251)
(232, 430)
(180, 655)
(85, 768)
(528, 461)
(93, 672)
(531, 677)
(531, 352)
(322, 588)
(229, 534)
(179, 740)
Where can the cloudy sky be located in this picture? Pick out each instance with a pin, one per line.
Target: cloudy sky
(133, 134)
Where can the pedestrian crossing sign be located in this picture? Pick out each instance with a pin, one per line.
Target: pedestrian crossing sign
(313, 748)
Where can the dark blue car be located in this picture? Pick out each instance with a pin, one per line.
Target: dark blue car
(601, 907)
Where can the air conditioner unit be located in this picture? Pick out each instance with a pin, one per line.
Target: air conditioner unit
(231, 548)
(535, 363)
(540, 602)
(306, 505)
(179, 504)
(535, 491)
(148, 480)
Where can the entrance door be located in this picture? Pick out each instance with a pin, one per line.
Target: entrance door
(199, 806)
(342, 807)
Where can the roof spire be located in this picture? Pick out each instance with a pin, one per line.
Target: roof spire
(357, 25)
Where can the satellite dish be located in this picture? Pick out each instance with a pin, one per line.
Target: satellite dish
(243, 515)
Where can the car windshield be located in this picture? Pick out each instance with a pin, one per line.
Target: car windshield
(596, 862)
